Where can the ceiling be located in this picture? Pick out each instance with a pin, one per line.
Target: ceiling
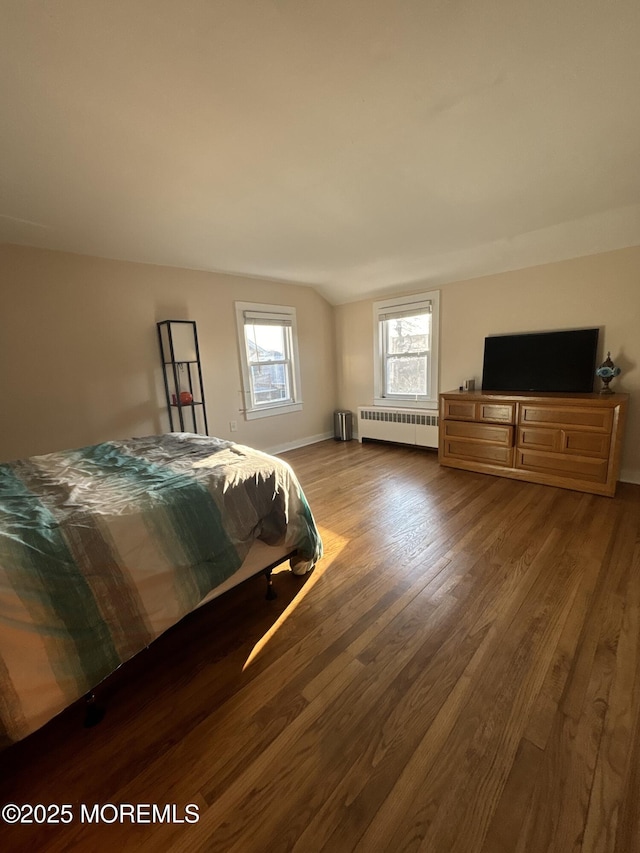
(357, 146)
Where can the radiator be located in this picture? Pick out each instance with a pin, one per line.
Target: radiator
(407, 426)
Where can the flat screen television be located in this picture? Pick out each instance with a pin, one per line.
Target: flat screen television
(563, 361)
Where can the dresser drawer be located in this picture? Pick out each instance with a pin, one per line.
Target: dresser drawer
(586, 443)
(459, 410)
(538, 438)
(467, 410)
(503, 413)
(562, 465)
(478, 451)
(564, 441)
(584, 418)
(490, 433)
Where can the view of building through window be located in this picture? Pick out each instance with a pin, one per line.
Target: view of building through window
(406, 354)
(268, 359)
(268, 348)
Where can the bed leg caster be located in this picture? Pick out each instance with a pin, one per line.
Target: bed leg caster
(271, 593)
(93, 713)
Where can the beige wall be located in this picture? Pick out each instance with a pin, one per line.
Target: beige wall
(598, 290)
(79, 358)
(79, 355)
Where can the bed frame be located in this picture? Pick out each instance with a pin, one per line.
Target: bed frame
(95, 711)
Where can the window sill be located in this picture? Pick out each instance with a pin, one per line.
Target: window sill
(269, 411)
(399, 403)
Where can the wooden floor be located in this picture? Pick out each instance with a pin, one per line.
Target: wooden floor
(460, 673)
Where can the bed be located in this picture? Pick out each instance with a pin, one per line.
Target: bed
(104, 548)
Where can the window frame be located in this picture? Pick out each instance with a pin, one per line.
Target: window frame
(251, 409)
(404, 304)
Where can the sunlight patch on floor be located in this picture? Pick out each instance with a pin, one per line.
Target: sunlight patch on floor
(334, 544)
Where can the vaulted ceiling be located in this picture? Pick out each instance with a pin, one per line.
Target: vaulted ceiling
(357, 146)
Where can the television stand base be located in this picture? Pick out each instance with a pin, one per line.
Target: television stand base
(569, 440)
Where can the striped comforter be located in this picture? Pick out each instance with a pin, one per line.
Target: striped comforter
(103, 548)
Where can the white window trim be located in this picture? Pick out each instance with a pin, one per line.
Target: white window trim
(383, 306)
(268, 410)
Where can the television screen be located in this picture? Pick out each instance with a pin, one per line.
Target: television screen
(541, 361)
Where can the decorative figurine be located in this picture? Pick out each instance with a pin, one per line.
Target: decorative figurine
(607, 371)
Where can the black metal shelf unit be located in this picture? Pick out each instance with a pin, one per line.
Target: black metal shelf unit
(182, 374)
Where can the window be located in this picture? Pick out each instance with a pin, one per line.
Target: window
(269, 359)
(406, 350)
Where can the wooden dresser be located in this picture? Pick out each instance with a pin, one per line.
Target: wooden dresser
(568, 440)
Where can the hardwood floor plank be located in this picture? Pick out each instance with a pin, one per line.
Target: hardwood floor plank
(511, 821)
(317, 739)
(420, 809)
(578, 643)
(565, 790)
(622, 639)
(622, 740)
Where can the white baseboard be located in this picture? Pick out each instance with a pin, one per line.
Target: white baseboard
(630, 475)
(301, 442)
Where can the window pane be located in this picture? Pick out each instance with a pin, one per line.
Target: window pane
(406, 375)
(268, 350)
(270, 383)
(408, 334)
(406, 349)
(265, 343)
